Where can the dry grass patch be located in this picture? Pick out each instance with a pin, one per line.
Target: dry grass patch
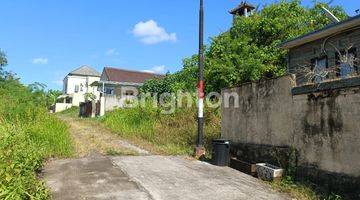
(173, 134)
(88, 137)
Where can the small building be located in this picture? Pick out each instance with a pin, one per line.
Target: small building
(243, 9)
(118, 85)
(76, 85)
(326, 54)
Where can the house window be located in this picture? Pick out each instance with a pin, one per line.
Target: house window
(81, 87)
(65, 88)
(346, 62)
(68, 100)
(76, 88)
(319, 68)
(109, 91)
(129, 93)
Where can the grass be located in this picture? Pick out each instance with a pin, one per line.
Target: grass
(173, 134)
(71, 112)
(301, 191)
(28, 136)
(295, 190)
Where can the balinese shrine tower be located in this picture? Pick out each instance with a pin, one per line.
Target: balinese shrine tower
(244, 9)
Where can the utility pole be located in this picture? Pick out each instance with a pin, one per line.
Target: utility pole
(199, 150)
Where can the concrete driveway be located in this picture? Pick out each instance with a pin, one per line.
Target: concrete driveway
(151, 177)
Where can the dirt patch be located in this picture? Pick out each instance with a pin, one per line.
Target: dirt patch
(88, 138)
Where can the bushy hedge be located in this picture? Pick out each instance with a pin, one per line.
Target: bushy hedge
(28, 135)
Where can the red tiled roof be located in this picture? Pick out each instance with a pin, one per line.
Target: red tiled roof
(121, 75)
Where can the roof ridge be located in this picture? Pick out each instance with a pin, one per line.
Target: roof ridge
(328, 27)
(129, 70)
(76, 69)
(81, 66)
(94, 72)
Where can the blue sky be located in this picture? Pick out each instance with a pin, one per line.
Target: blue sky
(46, 39)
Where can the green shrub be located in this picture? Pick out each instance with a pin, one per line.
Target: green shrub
(20, 158)
(28, 135)
(71, 112)
(170, 134)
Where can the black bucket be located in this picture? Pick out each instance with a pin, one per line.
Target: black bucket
(221, 152)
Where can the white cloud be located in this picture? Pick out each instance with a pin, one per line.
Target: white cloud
(150, 33)
(40, 61)
(112, 52)
(156, 70)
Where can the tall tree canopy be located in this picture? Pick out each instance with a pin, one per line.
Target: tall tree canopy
(3, 63)
(184, 80)
(249, 50)
(3, 60)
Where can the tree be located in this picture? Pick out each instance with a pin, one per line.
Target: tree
(3, 63)
(249, 50)
(183, 80)
(89, 96)
(3, 60)
(52, 96)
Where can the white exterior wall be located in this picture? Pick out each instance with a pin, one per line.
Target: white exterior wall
(113, 102)
(71, 81)
(62, 106)
(118, 99)
(91, 89)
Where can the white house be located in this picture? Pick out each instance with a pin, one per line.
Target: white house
(76, 85)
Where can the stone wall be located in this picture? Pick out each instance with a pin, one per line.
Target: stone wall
(62, 106)
(316, 130)
(112, 102)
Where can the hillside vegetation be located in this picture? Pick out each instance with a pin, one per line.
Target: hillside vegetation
(28, 135)
(173, 134)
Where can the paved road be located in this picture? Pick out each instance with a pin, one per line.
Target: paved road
(91, 178)
(151, 177)
(144, 177)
